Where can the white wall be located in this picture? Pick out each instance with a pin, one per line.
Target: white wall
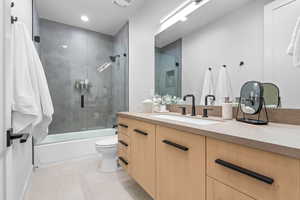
(18, 161)
(234, 38)
(142, 28)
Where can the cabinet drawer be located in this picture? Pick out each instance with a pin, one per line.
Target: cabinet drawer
(259, 174)
(123, 126)
(124, 147)
(218, 191)
(123, 162)
(180, 163)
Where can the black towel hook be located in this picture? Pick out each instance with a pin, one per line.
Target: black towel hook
(13, 19)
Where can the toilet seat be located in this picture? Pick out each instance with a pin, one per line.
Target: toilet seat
(108, 142)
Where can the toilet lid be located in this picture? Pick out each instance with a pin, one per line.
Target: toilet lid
(108, 141)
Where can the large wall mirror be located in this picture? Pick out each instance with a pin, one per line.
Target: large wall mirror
(224, 44)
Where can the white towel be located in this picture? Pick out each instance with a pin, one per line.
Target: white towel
(224, 88)
(294, 47)
(27, 58)
(208, 86)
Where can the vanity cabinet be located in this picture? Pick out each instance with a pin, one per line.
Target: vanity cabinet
(259, 174)
(143, 155)
(171, 164)
(180, 165)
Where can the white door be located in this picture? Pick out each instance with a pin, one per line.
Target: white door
(2, 130)
(5, 98)
(280, 20)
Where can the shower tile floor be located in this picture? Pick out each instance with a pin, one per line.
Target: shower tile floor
(82, 180)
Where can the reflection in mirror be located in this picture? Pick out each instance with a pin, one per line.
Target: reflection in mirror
(271, 95)
(244, 37)
(168, 69)
(251, 97)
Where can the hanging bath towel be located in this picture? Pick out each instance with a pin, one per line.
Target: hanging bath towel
(25, 108)
(208, 86)
(39, 86)
(224, 88)
(294, 47)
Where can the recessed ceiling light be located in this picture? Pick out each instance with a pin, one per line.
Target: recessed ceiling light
(64, 46)
(84, 18)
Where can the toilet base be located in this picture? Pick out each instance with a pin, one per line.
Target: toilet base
(108, 164)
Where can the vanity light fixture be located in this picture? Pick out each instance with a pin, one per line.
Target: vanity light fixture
(181, 13)
(84, 18)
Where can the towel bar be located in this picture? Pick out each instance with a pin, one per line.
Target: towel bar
(10, 136)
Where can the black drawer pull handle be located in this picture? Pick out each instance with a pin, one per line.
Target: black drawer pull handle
(140, 132)
(123, 160)
(247, 172)
(178, 146)
(124, 143)
(123, 125)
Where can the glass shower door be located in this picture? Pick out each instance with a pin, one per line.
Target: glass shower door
(167, 75)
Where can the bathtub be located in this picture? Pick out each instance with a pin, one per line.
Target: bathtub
(68, 146)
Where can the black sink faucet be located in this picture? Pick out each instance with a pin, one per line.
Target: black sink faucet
(193, 103)
(205, 109)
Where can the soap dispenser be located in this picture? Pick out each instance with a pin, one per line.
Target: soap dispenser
(227, 109)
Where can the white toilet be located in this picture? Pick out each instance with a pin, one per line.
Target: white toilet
(108, 150)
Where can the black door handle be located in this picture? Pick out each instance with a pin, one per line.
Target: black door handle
(123, 125)
(178, 146)
(247, 172)
(124, 143)
(123, 160)
(140, 132)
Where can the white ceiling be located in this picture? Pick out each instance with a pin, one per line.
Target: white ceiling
(201, 17)
(104, 16)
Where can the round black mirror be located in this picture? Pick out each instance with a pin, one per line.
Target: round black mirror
(251, 97)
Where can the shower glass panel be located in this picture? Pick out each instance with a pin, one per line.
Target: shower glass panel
(168, 70)
(83, 97)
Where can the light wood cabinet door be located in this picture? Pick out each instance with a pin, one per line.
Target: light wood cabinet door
(143, 155)
(259, 174)
(180, 165)
(218, 191)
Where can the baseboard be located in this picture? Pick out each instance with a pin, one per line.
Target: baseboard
(27, 184)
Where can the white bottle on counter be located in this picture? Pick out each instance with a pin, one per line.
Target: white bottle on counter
(227, 110)
(147, 106)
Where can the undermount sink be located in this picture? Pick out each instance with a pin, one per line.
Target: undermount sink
(189, 120)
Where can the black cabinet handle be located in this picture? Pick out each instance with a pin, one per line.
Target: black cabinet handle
(123, 125)
(124, 143)
(123, 160)
(178, 146)
(140, 132)
(247, 172)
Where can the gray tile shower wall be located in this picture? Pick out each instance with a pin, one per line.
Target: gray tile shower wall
(69, 54)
